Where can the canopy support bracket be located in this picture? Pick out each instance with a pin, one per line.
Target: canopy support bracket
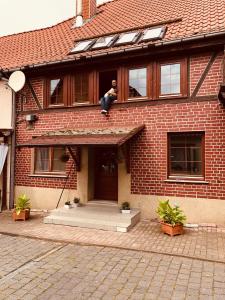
(76, 157)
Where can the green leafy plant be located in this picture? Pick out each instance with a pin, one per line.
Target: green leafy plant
(126, 206)
(170, 215)
(22, 203)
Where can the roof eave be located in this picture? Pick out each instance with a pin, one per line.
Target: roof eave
(129, 49)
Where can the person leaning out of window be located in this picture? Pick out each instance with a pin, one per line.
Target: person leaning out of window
(109, 98)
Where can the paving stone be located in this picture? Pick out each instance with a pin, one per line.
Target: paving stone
(94, 272)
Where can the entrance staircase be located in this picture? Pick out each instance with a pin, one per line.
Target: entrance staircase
(99, 216)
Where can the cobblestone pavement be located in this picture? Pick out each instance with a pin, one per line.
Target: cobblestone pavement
(205, 242)
(15, 252)
(69, 271)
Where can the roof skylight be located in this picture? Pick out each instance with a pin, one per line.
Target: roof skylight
(82, 46)
(153, 33)
(129, 37)
(103, 42)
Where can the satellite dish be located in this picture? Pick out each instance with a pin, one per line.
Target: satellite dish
(17, 81)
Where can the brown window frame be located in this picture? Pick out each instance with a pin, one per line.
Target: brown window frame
(73, 89)
(187, 177)
(183, 78)
(96, 81)
(153, 83)
(149, 82)
(51, 156)
(47, 96)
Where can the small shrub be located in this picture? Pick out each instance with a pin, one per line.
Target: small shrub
(126, 206)
(22, 203)
(76, 200)
(170, 215)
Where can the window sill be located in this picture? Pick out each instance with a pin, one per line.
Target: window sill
(56, 106)
(81, 103)
(137, 99)
(186, 181)
(48, 175)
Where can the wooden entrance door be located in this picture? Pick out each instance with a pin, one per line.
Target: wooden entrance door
(106, 174)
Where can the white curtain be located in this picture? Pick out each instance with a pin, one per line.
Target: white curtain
(3, 154)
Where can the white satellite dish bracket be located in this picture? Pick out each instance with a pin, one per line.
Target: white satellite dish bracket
(17, 81)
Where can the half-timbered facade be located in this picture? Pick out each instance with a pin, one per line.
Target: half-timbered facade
(164, 137)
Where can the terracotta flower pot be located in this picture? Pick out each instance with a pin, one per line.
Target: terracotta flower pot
(23, 215)
(172, 230)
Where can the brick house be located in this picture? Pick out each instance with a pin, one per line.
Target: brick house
(164, 137)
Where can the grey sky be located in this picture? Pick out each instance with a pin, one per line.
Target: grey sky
(23, 15)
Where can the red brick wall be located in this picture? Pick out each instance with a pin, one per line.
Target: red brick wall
(198, 64)
(26, 95)
(23, 172)
(89, 8)
(149, 150)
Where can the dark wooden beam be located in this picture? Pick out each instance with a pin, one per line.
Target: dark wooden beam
(224, 64)
(76, 157)
(204, 74)
(34, 94)
(221, 94)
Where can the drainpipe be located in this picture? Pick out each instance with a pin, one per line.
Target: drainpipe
(13, 153)
(13, 148)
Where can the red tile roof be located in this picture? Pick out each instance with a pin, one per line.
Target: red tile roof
(185, 18)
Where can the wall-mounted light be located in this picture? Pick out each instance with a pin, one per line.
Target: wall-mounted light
(31, 119)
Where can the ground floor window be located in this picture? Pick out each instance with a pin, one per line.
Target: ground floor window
(49, 160)
(186, 155)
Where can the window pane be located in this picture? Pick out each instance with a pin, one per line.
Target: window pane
(56, 91)
(170, 79)
(178, 168)
(81, 87)
(41, 159)
(186, 154)
(177, 154)
(138, 83)
(57, 164)
(194, 168)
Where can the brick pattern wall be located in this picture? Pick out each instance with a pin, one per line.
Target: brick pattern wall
(25, 96)
(149, 149)
(24, 172)
(89, 8)
(198, 64)
(213, 79)
(211, 83)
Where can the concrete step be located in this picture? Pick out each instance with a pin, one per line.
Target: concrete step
(94, 216)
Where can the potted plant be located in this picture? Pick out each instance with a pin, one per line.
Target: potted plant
(76, 202)
(172, 218)
(125, 209)
(22, 208)
(67, 205)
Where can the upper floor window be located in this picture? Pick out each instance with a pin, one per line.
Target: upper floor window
(186, 155)
(49, 160)
(172, 79)
(81, 84)
(150, 80)
(56, 91)
(138, 83)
